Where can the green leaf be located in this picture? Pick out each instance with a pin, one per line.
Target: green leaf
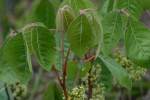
(106, 78)
(58, 52)
(78, 5)
(42, 43)
(72, 70)
(117, 71)
(72, 74)
(106, 7)
(131, 6)
(14, 60)
(80, 35)
(56, 3)
(85, 69)
(96, 25)
(43, 11)
(53, 92)
(145, 4)
(112, 28)
(137, 42)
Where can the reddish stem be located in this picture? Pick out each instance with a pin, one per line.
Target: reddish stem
(64, 66)
(91, 58)
(61, 82)
(65, 63)
(57, 75)
(65, 74)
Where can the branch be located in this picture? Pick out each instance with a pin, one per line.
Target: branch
(91, 58)
(65, 63)
(57, 75)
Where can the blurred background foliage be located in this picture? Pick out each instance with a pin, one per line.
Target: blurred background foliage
(15, 14)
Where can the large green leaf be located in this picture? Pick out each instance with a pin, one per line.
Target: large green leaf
(56, 3)
(106, 78)
(80, 35)
(105, 75)
(130, 6)
(53, 92)
(117, 71)
(43, 11)
(14, 60)
(145, 4)
(137, 41)
(42, 43)
(106, 7)
(112, 28)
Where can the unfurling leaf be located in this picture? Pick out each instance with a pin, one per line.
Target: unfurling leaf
(95, 22)
(78, 5)
(64, 17)
(80, 35)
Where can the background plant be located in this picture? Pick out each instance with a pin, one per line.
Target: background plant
(76, 41)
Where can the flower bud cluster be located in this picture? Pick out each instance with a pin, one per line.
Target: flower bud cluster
(98, 88)
(77, 93)
(135, 72)
(19, 91)
(98, 92)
